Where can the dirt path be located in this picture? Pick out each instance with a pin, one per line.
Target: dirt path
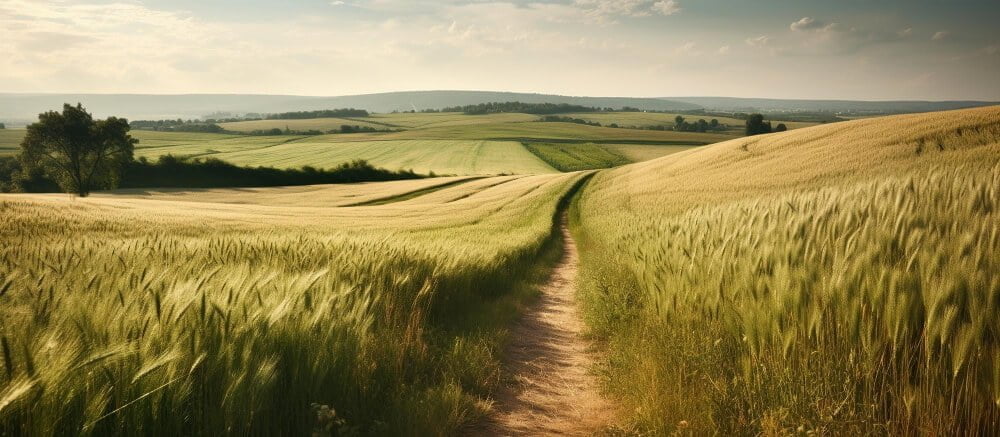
(553, 391)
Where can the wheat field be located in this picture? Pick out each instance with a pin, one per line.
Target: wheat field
(160, 316)
(837, 280)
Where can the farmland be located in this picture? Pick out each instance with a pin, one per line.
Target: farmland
(233, 318)
(649, 119)
(835, 280)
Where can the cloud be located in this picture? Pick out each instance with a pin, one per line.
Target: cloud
(337, 3)
(724, 50)
(938, 36)
(666, 7)
(992, 50)
(759, 41)
(905, 33)
(606, 10)
(809, 23)
(688, 48)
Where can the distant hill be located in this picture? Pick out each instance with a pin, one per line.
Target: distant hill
(849, 106)
(19, 108)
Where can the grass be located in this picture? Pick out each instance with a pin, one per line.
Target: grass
(834, 280)
(647, 119)
(425, 120)
(463, 157)
(300, 196)
(138, 316)
(643, 152)
(576, 157)
(420, 192)
(10, 141)
(540, 132)
(320, 124)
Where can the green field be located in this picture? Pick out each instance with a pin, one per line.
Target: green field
(10, 141)
(422, 156)
(833, 280)
(647, 119)
(575, 157)
(320, 124)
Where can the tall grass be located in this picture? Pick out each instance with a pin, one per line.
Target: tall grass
(141, 317)
(796, 289)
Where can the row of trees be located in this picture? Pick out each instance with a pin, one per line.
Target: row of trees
(682, 125)
(519, 107)
(78, 154)
(756, 126)
(324, 113)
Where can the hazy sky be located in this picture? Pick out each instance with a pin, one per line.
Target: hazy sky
(852, 49)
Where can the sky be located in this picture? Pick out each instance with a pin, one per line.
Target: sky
(823, 49)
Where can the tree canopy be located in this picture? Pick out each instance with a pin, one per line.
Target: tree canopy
(756, 125)
(80, 153)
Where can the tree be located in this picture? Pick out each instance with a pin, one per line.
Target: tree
(80, 153)
(3, 126)
(780, 127)
(757, 126)
(714, 124)
(679, 120)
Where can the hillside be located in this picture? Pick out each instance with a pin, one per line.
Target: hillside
(23, 107)
(855, 106)
(835, 279)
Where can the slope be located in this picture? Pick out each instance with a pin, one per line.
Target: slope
(833, 279)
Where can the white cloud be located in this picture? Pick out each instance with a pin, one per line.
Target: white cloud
(938, 36)
(905, 33)
(724, 50)
(809, 23)
(608, 9)
(759, 41)
(667, 7)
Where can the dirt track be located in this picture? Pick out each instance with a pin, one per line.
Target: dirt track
(553, 391)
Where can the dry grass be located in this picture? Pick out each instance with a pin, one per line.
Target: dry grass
(838, 279)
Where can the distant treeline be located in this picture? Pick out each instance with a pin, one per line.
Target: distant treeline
(173, 172)
(518, 107)
(803, 116)
(562, 119)
(680, 124)
(325, 113)
(210, 126)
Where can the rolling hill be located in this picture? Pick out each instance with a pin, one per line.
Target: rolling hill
(837, 279)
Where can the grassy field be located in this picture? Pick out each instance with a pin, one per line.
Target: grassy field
(558, 131)
(575, 157)
(306, 195)
(10, 141)
(642, 152)
(174, 317)
(445, 143)
(425, 120)
(320, 124)
(646, 119)
(838, 280)
(423, 156)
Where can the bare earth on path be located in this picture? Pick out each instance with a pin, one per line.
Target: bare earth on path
(553, 391)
